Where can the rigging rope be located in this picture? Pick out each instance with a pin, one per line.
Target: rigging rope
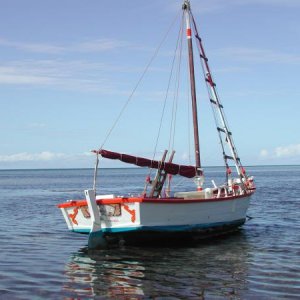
(166, 96)
(176, 93)
(138, 83)
(189, 118)
(132, 93)
(213, 94)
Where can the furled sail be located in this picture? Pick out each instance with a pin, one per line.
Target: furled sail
(170, 168)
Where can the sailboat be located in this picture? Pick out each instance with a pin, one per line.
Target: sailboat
(156, 213)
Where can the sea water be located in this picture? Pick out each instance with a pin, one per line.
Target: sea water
(40, 259)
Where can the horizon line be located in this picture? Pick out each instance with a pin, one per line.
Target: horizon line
(111, 168)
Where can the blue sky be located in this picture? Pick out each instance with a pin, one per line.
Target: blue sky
(68, 66)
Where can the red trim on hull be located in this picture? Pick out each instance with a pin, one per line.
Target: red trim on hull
(79, 203)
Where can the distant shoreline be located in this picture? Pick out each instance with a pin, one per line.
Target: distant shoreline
(133, 168)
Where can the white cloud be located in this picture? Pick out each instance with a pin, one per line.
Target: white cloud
(32, 47)
(60, 73)
(73, 75)
(256, 55)
(97, 45)
(204, 6)
(42, 156)
(290, 151)
(264, 153)
(25, 156)
(24, 79)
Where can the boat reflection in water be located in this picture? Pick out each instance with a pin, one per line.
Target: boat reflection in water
(210, 269)
(97, 273)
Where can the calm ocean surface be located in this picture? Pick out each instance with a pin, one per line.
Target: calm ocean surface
(40, 259)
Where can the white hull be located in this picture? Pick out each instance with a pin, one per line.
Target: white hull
(139, 217)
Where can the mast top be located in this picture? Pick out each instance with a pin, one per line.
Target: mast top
(186, 5)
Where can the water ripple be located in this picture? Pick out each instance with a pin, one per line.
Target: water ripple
(39, 259)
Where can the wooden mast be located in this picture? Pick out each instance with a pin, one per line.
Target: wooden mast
(186, 8)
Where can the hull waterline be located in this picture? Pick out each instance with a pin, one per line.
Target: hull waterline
(144, 219)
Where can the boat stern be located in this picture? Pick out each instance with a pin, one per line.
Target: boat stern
(76, 215)
(115, 214)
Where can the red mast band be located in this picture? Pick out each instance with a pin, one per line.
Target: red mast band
(189, 32)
